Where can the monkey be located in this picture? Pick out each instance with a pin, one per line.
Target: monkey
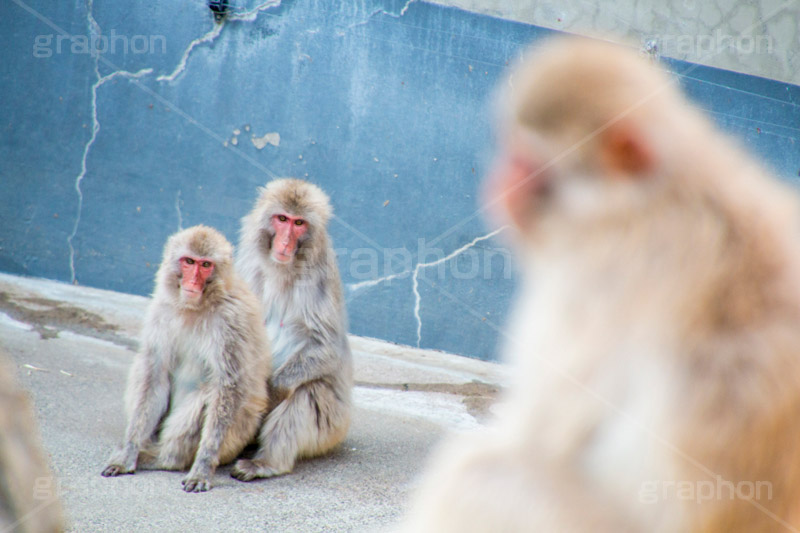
(286, 256)
(654, 343)
(197, 389)
(29, 500)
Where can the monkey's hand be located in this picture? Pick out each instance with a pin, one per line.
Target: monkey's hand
(198, 478)
(314, 360)
(248, 470)
(123, 461)
(193, 483)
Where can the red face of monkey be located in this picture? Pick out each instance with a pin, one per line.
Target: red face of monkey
(288, 229)
(519, 181)
(194, 273)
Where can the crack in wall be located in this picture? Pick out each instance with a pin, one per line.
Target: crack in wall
(415, 276)
(94, 30)
(178, 203)
(404, 9)
(376, 281)
(251, 15)
(393, 15)
(211, 36)
(379, 12)
(101, 80)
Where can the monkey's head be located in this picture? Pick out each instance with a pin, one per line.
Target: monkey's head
(587, 132)
(196, 264)
(290, 217)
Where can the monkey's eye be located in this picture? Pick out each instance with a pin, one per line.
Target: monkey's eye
(299, 222)
(282, 218)
(206, 264)
(188, 260)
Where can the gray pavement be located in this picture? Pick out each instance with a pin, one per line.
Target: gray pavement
(72, 347)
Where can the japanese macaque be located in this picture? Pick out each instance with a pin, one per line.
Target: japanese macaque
(656, 342)
(197, 390)
(285, 255)
(28, 492)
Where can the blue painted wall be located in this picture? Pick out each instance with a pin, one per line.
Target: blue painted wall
(373, 102)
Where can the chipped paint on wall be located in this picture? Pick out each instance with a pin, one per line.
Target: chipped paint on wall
(273, 138)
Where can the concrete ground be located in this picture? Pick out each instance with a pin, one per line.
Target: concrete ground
(72, 347)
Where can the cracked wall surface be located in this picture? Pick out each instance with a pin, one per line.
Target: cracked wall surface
(383, 103)
(758, 37)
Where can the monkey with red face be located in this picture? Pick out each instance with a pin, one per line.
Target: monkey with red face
(656, 339)
(290, 232)
(198, 386)
(286, 256)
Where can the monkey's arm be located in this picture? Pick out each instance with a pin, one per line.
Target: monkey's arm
(148, 396)
(314, 359)
(482, 482)
(225, 400)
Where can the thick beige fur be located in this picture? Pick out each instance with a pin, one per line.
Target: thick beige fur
(197, 390)
(656, 343)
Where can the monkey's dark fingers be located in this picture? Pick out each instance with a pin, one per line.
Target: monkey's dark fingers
(196, 485)
(248, 470)
(243, 470)
(114, 470)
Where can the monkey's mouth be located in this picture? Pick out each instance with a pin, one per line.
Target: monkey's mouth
(192, 291)
(281, 257)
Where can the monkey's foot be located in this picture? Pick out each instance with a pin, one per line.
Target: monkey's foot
(196, 484)
(247, 470)
(115, 470)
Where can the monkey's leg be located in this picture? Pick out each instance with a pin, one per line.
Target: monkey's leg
(224, 403)
(308, 423)
(244, 429)
(179, 436)
(148, 391)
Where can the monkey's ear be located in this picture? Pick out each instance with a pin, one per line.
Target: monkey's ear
(626, 151)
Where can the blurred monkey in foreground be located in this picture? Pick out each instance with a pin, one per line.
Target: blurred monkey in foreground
(286, 256)
(23, 470)
(197, 389)
(657, 337)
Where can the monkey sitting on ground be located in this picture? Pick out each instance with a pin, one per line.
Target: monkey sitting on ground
(197, 389)
(23, 471)
(657, 337)
(286, 256)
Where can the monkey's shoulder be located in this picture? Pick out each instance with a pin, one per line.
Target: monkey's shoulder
(240, 309)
